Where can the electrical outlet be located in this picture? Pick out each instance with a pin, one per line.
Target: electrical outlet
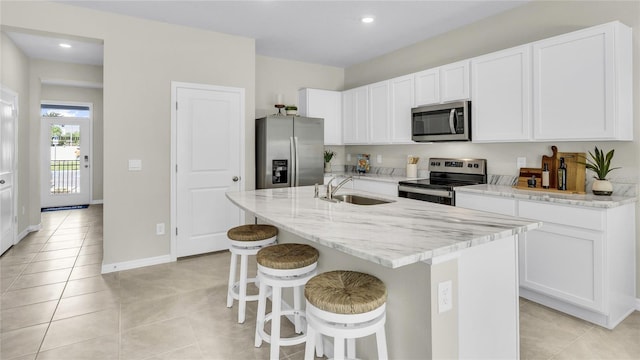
(160, 229)
(348, 157)
(379, 159)
(521, 162)
(445, 296)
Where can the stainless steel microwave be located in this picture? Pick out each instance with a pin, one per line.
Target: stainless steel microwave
(442, 122)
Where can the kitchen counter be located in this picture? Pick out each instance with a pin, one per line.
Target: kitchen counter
(585, 200)
(395, 234)
(415, 248)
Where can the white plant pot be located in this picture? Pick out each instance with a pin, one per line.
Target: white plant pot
(327, 167)
(602, 187)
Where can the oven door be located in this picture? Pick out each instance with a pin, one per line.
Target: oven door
(444, 122)
(444, 197)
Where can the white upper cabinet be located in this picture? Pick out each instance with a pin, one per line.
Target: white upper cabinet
(582, 85)
(355, 106)
(501, 93)
(379, 112)
(401, 97)
(324, 104)
(427, 87)
(454, 81)
(442, 84)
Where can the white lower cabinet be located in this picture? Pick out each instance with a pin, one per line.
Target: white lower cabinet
(581, 261)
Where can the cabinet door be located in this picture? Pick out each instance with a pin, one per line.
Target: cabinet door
(354, 115)
(401, 104)
(427, 87)
(574, 86)
(491, 204)
(324, 104)
(454, 81)
(379, 113)
(501, 93)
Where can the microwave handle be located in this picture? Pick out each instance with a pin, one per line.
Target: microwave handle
(452, 121)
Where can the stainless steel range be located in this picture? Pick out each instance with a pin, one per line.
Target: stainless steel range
(444, 175)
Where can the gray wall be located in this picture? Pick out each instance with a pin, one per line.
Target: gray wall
(533, 21)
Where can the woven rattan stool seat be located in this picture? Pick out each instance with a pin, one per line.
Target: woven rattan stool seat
(252, 232)
(345, 292)
(287, 256)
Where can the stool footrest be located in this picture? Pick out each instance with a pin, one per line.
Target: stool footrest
(294, 340)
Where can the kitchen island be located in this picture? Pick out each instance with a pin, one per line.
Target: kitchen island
(415, 248)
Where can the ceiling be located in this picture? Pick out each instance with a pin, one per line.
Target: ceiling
(322, 32)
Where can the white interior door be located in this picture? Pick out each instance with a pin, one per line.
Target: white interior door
(209, 153)
(8, 123)
(66, 161)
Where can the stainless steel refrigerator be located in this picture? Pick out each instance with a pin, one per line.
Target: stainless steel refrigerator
(289, 151)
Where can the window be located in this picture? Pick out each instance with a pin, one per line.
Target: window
(55, 110)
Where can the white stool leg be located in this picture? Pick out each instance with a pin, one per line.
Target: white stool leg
(276, 305)
(319, 345)
(232, 279)
(310, 345)
(297, 296)
(338, 348)
(381, 340)
(262, 308)
(351, 348)
(242, 302)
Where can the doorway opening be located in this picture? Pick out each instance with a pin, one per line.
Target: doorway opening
(66, 143)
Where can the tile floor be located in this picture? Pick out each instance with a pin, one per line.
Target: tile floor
(55, 304)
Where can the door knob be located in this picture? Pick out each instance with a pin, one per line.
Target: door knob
(2, 181)
(235, 179)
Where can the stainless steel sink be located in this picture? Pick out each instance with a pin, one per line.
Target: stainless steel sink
(359, 200)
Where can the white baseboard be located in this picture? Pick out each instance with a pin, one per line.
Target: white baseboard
(134, 264)
(97, 202)
(637, 304)
(25, 232)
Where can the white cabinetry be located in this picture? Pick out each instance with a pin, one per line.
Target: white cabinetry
(324, 104)
(582, 83)
(401, 98)
(443, 84)
(355, 106)
(379, 112)
(582, 260)
(501, 93)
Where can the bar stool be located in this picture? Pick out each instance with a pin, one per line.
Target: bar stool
(245, 240)
(283, 266)
(345, 305)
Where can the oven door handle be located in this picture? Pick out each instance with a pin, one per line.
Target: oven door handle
(441, 193)
(452, 121)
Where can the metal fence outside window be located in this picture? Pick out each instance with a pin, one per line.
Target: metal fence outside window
(65, 176)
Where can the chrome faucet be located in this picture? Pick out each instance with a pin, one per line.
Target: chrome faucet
(331, 190)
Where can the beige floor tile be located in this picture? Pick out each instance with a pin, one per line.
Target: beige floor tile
(66, 237)
(156, 338)
(544, 332)
(101, 348)
(107, 282)
(91, 249)
(47, 265)
(32, 295)
(42, 278)
(21, 342)
(80, 272)
(85, 304)
(28, 315)
(24, 249)
(56, 254)
(80, 328)
(191, 352)
(67, 228)
(89, 259)
(5, 283)
(60, 245)
(93, 240)
(11, 270)
(13, 259)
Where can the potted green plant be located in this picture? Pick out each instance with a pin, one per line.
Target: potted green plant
(600, 163)
(328, 155)
(291, 109)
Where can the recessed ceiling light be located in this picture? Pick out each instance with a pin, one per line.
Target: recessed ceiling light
(367, 19)
(63, 45)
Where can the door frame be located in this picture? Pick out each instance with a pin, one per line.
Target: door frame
(8, 94)
(42, 152)
(175, 85)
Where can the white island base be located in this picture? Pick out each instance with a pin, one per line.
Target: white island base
(482, 321)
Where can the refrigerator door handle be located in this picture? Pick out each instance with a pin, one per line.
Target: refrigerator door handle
(292, 165)
(296, 170)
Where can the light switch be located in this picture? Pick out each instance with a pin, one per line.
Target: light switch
(135, 165)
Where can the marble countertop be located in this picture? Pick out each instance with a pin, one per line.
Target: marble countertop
(399, 233)
(371, 176)
(586, 200)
